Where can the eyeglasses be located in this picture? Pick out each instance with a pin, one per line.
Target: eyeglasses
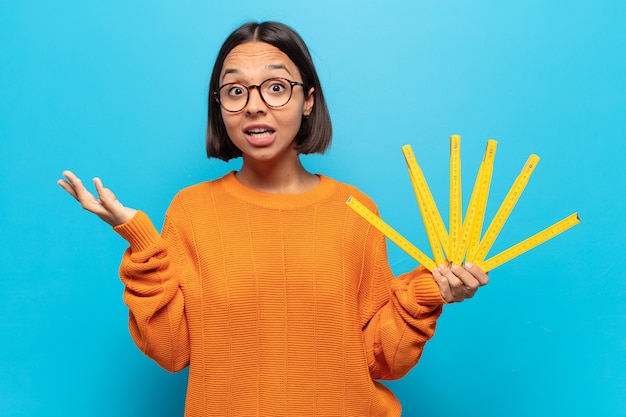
(275, 93)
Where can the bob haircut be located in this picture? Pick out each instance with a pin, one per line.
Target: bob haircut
(315, 131)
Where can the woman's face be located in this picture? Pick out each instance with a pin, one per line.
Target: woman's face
(261, 132)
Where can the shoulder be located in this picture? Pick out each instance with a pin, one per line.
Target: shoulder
(196, 195)
(345, 191)
(199, 190)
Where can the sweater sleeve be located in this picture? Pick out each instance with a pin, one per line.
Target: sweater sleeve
(151, 272)
(400, 316)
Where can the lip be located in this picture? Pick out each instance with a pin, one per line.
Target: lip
(264, 140)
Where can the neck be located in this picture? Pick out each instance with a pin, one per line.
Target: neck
(277, 178)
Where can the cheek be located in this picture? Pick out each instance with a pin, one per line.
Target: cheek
(230, 124)
(293, 120)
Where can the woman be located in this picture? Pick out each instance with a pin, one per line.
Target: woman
(277, 295)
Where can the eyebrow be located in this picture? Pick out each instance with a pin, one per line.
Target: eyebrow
(270, 67)
(278, 66)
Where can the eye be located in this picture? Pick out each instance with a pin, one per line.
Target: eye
(236, 90)
(276, 86)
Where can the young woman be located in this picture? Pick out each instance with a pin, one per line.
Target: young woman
(276, 294)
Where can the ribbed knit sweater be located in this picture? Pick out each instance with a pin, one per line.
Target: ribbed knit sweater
(281, 305)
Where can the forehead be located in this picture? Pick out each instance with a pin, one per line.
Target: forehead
(252, 59)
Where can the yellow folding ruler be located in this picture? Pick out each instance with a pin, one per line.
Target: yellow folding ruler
(463, 242)
(478, 253)
(456, 220)
(531, 242)
(475, 214)
(388, 231)
(435, 229)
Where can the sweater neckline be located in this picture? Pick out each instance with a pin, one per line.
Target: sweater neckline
(322, 191)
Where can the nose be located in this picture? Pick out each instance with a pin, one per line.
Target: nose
(255, 102)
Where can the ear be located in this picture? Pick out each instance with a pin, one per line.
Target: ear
(309, 101)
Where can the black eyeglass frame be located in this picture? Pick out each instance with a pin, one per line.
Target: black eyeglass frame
(292, 84)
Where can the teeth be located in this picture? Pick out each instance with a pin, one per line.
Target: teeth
(259, 132)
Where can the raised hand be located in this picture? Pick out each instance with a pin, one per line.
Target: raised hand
(106, 206)
(459, 282)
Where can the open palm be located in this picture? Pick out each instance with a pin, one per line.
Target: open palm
(106, 206)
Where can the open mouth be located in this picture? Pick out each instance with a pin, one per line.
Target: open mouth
(260, 132)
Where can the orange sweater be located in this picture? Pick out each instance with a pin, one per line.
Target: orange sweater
(281, 305)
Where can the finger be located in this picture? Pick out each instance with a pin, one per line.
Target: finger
(456, 284)
(68, 174)
(468, 282)
(69, 183)
(481, 276)
(67, 187)
(451, 286)
(106, 196)
(70, 177)
(87, 200)
(116, 213)
(444, 286)
(79, 190)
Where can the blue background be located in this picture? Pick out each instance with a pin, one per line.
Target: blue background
(118, 89)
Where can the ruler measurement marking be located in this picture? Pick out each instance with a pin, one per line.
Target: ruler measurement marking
(430, 208)
(530, 243)
(464, 235)
(389, 232)
(475, 214)
(505, 210)
(456, 207)
(431, 233)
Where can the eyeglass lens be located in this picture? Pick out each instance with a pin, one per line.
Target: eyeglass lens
(275, 92)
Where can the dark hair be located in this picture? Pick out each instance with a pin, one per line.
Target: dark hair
(315, 131)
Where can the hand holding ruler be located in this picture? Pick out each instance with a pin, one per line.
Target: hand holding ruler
(463, 243)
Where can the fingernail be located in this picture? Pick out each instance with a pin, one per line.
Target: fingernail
(455, 267)
(442, 268)
(468, 265)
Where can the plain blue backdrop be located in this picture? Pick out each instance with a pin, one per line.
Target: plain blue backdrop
(118, 89)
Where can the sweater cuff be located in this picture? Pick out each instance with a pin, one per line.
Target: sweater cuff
(421, 284)
(427, 292)
(139, 232)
